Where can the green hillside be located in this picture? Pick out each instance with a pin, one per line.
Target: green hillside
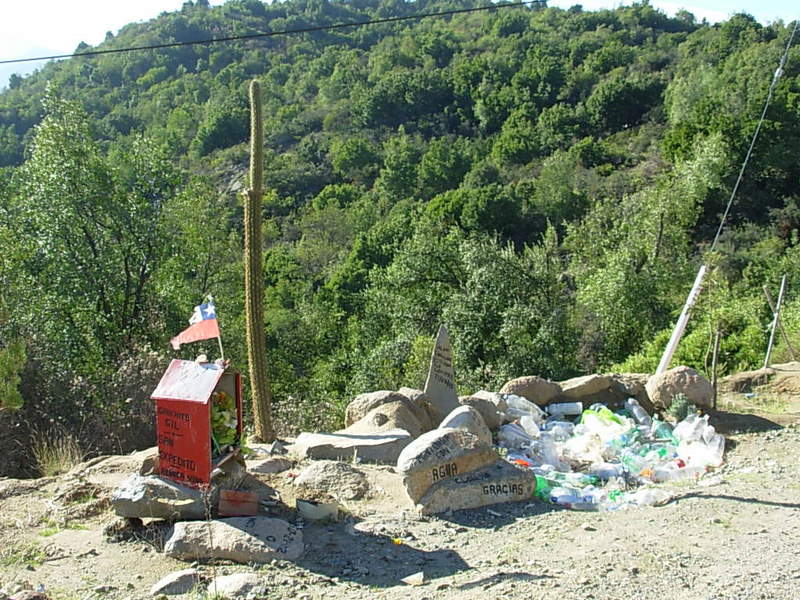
(545, 182)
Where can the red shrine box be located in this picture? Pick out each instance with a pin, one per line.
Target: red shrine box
(183, 419)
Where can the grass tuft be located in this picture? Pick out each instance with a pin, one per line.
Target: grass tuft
(22, 555)
(55, 452)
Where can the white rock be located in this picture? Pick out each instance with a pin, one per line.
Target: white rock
(466, 418)
(238, 585)
(338, 479)
(240, 539)
(177, 582)
(267, 466)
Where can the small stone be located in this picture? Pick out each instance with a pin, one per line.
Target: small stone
(177, 582)
(238, 585)
(415, 579)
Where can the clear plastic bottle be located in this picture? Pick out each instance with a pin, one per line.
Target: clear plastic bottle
(565, 409)
(638, 413)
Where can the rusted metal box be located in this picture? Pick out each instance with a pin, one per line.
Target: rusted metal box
(186, 452)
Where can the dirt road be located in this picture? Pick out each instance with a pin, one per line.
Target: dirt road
(733, 534)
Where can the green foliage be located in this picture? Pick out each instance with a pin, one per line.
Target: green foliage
(545, 182)
(680, 407)
(12, 360)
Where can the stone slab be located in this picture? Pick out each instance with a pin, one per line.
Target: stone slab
(267, 466)
(383, 448)
(440, 386)
(240, 539)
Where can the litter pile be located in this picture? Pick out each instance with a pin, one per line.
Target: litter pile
(596, 459)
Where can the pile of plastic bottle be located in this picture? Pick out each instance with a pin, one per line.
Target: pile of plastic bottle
(596, 459)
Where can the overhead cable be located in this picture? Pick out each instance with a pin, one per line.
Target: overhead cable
(775, 77)
(267, 34)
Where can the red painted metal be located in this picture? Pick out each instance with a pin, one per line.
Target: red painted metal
(183, 418)
(184, 441)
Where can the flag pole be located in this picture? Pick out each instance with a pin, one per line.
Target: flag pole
(210, 298)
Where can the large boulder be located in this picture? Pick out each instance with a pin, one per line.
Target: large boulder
(382, 448)
(585, 389)
(386, 417)
(532, 388)
(339, 479)
(240, 539)
(631, 385)
(495, 398)
(421, 399)
(441, 454)
(662, 388)
(152, 497)
(468, 419)
(496, 483)
(363, 404)
(492, 416)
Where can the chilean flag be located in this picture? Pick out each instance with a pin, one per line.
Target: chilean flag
(202, 326)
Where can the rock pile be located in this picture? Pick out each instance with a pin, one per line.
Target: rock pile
(442, 444)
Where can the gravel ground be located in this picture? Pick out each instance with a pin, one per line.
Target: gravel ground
(733, 534)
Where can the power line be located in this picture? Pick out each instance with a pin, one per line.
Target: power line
(773, 83)
(250, 36)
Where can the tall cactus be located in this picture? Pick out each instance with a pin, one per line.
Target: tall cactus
(261, 396)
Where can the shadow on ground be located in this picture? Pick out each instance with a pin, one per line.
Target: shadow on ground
(748, 500)
(729, 422)
(491, 580)
(499, 515)
(337, 550)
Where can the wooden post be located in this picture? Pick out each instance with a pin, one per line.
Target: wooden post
(777, 316)
(780, 325)
(714, 367)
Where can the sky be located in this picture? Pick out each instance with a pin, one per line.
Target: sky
(30, 28)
